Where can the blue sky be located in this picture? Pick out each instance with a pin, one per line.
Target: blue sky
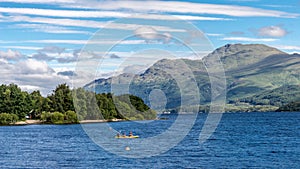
(41, 42)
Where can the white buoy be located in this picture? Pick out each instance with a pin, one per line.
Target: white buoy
(127, 148)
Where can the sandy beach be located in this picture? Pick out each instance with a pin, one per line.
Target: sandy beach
(28, 122)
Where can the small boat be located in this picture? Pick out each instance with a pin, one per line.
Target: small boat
(127, 137)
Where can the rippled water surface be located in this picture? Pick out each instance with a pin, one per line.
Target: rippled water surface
(242, 140)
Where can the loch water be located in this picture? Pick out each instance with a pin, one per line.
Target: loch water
(241, 140)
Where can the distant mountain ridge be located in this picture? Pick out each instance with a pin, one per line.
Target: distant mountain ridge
(250, 69)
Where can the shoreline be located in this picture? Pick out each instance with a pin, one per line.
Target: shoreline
(38, 122)
(100, 121)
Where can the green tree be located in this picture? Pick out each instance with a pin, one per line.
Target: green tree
(71, 117)
(61, 99)
(14, 100)
(46, 117)
(80, 102)
(37, 101)
(6, 118)
(57, 118)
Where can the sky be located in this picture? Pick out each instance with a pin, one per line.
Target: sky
(45, 43)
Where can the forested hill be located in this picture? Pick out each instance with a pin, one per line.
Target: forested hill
(59, 107)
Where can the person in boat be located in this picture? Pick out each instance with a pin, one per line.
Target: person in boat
(130, 134)
(118, 134)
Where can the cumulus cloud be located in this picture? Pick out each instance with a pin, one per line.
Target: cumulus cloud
(114, 56)
(30, 74)
(42, 56)
(84, 54)
(272, 31)
(10, 55)
(54, 55)
(146, 32)
(67, 73)
(67, 59)
(52, 49)
(32, 66)
(149, 34)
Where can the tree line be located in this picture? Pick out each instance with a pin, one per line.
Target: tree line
(60, 106)
(293, 106)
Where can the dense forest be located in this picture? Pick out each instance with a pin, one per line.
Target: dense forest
(60, 106)
(293, 106)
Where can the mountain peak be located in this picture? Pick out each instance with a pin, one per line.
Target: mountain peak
(247, 48)
(239, 55)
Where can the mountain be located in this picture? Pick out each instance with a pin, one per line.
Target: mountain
(238, 55)
(251, 70)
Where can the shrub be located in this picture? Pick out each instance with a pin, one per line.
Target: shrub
(6, 118)
(71, 117)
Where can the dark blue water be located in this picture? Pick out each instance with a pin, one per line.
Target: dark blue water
(242, 140)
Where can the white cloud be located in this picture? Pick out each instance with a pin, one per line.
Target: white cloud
(279, 6)
(40, 1)
(244, 0)
(272, 31)
(65, 13)
(61, 22)
(31, 66)
(201, 18)
(87, 23)
(247, 39)
(149, 33)
(10, 55)
(214, 34)
(55, 55)
(102, 14)
(59, 41)
(22, 47)
(31, 75)
(183, 7)
(39, 76)
(83, 42)
(149, 7)
(288, 47)
(51, 29)
(52, 49)
(29, 87)
(5, 41)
